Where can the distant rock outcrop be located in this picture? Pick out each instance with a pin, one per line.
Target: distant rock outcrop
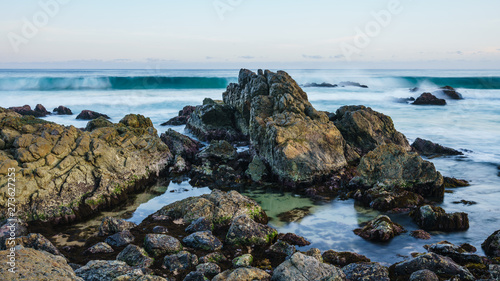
(429, 148)
(429, 99)
(25, 110)
(90, 115)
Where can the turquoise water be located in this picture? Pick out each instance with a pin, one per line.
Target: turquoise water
(472, 124)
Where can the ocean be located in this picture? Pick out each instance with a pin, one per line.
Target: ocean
(471, 125)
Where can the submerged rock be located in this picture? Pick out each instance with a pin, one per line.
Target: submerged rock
(111, 225)
(366, 271)
(320, 85)
(380, 228)
(491, 245)
(428, 148)
(429, 99)
(218, 207)
(245, 231)
(90, 115)
(342, 259)
(365, 129)
(435, 218)
(295, 140)
(37, 265)
(444, 267)
(182, 118)
(420, 234)
(295, 214)
(62, 110)
(68, 174)
(301, 267)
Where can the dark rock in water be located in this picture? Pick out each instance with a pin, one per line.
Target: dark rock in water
(180, 144)
(182, 118)
(388, 198)
(294, 215)
(90, 115)
(218, 207)
(451, 92)
(391, 165)
(352, 84)
(435, 218)
(62, 110)
(465, 202)
(111, 225)
(424, 275)
(99, 248)
(200, 224)
(244, 274)
(365, 129)
(293, 239)
(491, 245)
(380, 228)
(159, 244)
(120, 239)
(180, 261)
(429, 99)
(37, 265)
(209, 269)
(103, 270)
(420, 234)
(429, 148)
(366, 271)
(245, 231)
(444, 267)
(453, 182)
(456, 253)
(321, 85)
(203, 240)
(99, 122)
(342, 259)
(415, 89)
(404, 100)
(294, 139)
(135, 256)
(214, 121)
(26, 110)
(302, 267)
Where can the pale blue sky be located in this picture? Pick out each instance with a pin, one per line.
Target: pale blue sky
(250, 33)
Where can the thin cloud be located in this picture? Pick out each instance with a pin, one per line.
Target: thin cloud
(246, 57)
(460, 52)
(209, 58)
(312, 57)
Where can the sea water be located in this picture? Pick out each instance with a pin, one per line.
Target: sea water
(471, 125)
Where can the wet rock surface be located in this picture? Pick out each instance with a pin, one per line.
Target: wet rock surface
(111, 225)
(366, 271)
(26, 110)
(342, 259)
(435, 218)
(428, 148)
(245, 231)
(380, 228)
(62, 110)
(100, 270)
(491, 245)
(90, 115)
(203, 240)
(182, 118)
(302, 267)
(158, 244)
(429, 99)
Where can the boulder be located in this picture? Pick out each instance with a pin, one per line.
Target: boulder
(62, 110)
(243, 274)
(420, 234)
(218, 207)
(365, 129)
(380, 228)
(26, 110)
(120, 239)
(111, 225)
(90, 115)
(491, 245)
(69, 174)
(457, 253)
(257, 169)
(342, 259)
(31, 264)
(219, 150)
(245, 260)
(444, 267)
(366, 271)
(135, 256)
(281, 248)
(195, 276)
(293, 239)
(99, 248)
(208, 269)
(320, 85)
(245, 231)
(101, 270)
(451, 93)
(159, 244)
(295, 140)
(302, 268)
(10, 229)
(429, 99)
(200, 224)
(424, 275)
(203, 240)
(391, 165)
(428, 148)
(296, 214)
(435, 218)
(180, 261)
(214, 257)
(182, 118)
(180, 144)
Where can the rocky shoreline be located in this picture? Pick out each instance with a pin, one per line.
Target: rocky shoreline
(71, 174)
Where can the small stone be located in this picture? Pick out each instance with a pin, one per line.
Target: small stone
(203, 240)
(120, 239)
(215, 257)
(209, 269)
(99, 248)
(160, 229)
(366, 271)
(135, 256)
(424, 275)
(159, 244)
(243, 261)
(110, 225)
(180, 261)
(342, 259)
(195, 276)
(420, 234)
(281, 248)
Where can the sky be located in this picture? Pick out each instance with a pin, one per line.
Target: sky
(399, 34)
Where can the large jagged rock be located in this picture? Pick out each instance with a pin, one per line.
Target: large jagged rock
(219, 207)
(435, 218)
(66, 173)
(182, 118)
(428, 148)
(181, 145)
(444, 267)
(302, 268)
(491, 245)
(298, 142)
(31, 264)
(364, 129)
